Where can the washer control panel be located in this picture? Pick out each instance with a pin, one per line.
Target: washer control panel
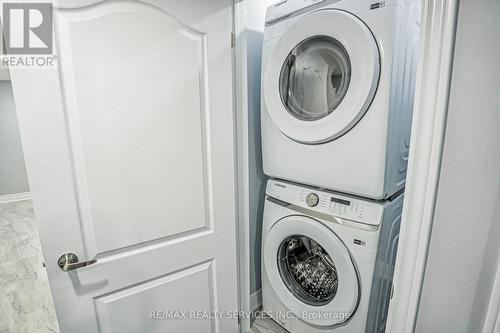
(326, 202)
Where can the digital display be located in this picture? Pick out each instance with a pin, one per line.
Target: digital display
(340, 201)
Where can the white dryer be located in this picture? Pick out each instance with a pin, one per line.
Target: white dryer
(337, 93)
(327, 259)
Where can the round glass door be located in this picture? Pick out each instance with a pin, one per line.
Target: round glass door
(311, 270)
(307, 270)
(314, 78)
(320, 76)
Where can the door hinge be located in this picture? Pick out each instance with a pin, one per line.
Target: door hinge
(233, 40)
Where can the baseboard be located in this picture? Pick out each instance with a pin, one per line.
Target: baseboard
(15, 197)
(256, 300)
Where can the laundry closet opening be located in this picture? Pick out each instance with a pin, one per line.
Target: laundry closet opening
(330, 99)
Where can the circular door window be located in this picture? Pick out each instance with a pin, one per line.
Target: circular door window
(320, 76)
(315, 78)
(311, 270)
(307, 270)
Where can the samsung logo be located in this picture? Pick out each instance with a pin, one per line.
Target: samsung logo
(280, 185)
(377, 5)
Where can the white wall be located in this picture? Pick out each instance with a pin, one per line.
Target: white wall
(12, 169)
(465, 240)
(254, 29)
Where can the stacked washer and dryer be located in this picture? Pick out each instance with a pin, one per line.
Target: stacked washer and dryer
(337, 96)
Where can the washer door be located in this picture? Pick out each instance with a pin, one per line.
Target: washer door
(321, 76)
(311, 271)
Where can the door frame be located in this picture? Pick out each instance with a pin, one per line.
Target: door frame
(434, 70)
(243, 159)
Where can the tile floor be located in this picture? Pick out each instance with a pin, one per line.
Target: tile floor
(266, 325)
(25, 300)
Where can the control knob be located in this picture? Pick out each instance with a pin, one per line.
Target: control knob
(312, 199)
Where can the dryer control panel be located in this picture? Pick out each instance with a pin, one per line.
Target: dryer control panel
(327, 202)
(284, 8)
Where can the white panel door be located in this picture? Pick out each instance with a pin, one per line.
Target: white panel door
(129, 145)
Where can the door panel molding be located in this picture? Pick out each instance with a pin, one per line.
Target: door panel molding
(68, 20)
(167, 286)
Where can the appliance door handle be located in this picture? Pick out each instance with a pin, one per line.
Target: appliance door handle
(69, 261)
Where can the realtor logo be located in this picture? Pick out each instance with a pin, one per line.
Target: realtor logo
(27, 28)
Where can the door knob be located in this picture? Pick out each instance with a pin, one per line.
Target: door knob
(69, 261)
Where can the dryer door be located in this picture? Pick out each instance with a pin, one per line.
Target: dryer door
(311, 271)
(321, 76)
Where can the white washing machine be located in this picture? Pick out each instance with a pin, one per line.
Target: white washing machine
(327, 259)
(337, 93)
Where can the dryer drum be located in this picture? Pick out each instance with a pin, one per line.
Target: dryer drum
(314, 78)
(307, 270)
